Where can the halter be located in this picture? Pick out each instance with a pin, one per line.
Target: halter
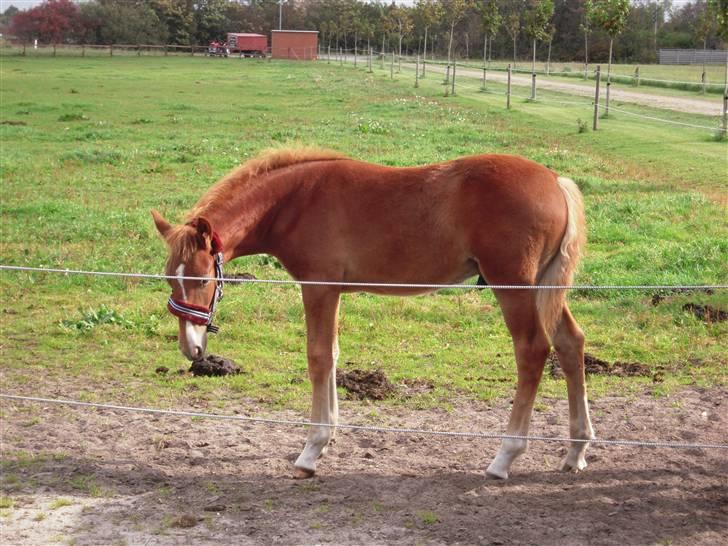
(197, 314)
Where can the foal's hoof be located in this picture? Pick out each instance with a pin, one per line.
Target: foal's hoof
(495, 473)
(573, 465)
(302, 473)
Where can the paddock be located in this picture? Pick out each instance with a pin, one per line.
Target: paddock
(90, 475)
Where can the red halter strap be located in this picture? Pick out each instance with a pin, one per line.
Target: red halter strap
(198, 314)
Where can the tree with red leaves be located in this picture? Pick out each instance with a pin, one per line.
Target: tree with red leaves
(54, 21)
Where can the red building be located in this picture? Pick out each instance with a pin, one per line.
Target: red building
(301, 45)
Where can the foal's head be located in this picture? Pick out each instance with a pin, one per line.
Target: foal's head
(192, 249)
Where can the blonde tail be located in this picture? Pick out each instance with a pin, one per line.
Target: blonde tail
(560, 270)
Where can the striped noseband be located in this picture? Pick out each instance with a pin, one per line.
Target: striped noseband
(197, 314)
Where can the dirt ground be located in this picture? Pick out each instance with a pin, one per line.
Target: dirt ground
(81, 476)
(681, 104)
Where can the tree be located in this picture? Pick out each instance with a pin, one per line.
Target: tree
(585, 27)
(491, 19)
(455, 10)
(428, 13)
(719, 10)
(610, 15)
(513, 27)
(402, 22)
(538, 15)
(54, 21)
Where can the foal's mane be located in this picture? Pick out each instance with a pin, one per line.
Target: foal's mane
(181, 238)
(266, 162)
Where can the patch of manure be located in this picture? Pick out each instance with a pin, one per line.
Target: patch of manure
(706, 313)
(214, 366)
(597, 366)
(362, 384)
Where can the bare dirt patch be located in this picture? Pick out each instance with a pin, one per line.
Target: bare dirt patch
(140, 479)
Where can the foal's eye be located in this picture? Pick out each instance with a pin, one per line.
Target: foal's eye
(205, 282)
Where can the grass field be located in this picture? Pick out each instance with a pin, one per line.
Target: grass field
(91, 145)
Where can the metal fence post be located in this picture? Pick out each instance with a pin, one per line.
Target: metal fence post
(417, 71)
(508, 90)
(598, 79)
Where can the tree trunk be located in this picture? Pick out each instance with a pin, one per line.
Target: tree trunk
(533, 60)
(449, 47)
(586, 54)
(548, 60)
(467, 46)
(424, 55)
(514, 51)
(490, 49)
(609, 81)
(485, 50)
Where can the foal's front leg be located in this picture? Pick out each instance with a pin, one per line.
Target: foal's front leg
(321, 305)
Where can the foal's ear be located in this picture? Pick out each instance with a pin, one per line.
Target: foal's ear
(163, 226)
(204, 230)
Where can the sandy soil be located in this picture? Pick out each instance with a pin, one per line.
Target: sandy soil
(136, 479)
(681, 104)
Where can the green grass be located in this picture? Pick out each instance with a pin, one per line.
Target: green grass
(107, 139)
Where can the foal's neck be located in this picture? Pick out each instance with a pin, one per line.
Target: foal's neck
(242, 217)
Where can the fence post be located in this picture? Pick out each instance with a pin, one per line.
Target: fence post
(23, 54)
(192, 51)
(453, 78)
(391, 67)
(354, 55)
(598, 78)
(399, 63)
(341, 58)
(83, 50)
(417, 71)
(54, 49)
(484, 76)
(508, 90)
(111, 50)
(533, 86)
(328, 56)
(139, 50)
(424, 62)
(725, 115)
(370, 60)
(702, 81)
(637, 76)
(165, 50)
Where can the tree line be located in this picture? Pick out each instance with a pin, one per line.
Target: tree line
(568, 30)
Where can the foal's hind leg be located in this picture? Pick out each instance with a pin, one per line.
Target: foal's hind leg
(321, 305)
(569, 345)
(531, 347)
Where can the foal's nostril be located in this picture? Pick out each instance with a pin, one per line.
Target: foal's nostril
(197, 352)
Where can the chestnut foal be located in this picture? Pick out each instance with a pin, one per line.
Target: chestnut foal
(330, 218)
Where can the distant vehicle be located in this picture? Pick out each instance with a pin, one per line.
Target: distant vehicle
(216, 49)
(247, 45)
